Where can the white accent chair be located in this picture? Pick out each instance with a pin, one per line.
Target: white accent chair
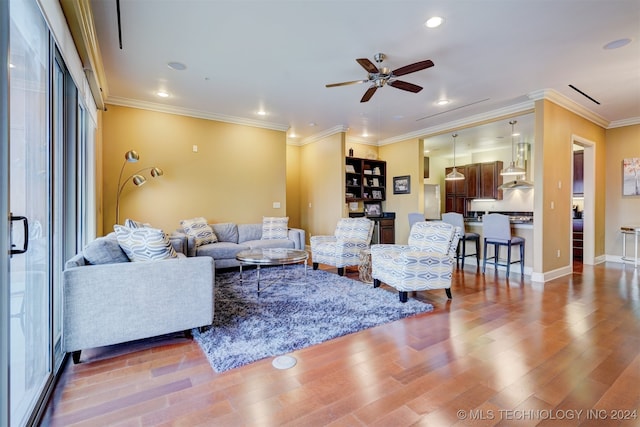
(425, 263)
(341, 250)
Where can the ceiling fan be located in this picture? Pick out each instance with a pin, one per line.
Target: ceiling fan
(379, 76)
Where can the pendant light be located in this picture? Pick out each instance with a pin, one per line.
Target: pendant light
(454, 174)
(512, 169)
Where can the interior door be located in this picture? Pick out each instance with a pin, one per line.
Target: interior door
(30, 361)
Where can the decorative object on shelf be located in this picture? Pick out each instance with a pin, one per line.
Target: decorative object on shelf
(513, 169)
(350, 169)
(631, 176)
(132, 156)
(373, 208)
(454, 174)
(350, 152)
(377, 194)
(402, 184)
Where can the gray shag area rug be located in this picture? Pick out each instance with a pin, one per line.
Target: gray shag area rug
(293, 312)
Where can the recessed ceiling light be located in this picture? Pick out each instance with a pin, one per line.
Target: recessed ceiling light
(312, 124)
(262, 113)
(178, 66)
(442, 102)
(434, 22)
(162, 94)
(617, 43)
(365, 134)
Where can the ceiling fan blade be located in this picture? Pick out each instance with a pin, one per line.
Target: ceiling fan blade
(369, 93)
(412, 68)
(346, 83)
(367, 65)
(399, 84)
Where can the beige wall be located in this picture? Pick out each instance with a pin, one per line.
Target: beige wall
(556, 129)
(236, 175)
(404, 158)
(293, 186)
(622, 143)
(322, 183)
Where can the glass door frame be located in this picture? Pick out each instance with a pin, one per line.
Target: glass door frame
(4, 208)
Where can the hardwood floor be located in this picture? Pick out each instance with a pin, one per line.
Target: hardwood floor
(502, 352)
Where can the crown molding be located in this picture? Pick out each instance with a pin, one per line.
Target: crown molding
(625, 122)
(152, 106)
(361, 140)
(558, 98)
(521, 108)
(320, 135)
(80, 21)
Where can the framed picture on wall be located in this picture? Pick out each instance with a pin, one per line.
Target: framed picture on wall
(402, 184)
(631, 176)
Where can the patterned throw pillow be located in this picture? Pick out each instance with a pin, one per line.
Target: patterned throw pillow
(200, 230)
(136, 224)
(144, 244)
(275, 227)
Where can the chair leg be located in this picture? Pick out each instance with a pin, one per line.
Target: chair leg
(478, 253)
(340, 271)
(521, 259)
(376, 283)
(403, 296)
(315, 265)
(484, 261)
(463, 243)
(76, 356)
(448, 291)
(508, 258)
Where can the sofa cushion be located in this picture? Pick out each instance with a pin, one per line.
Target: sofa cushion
(200, 230)
(270, 243)
(274, 227)
(248, 232)
(226, 232)
(220, 250)
(144, 244)
(104, 250)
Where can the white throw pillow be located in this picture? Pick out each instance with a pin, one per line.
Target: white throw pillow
(144, 244)
(275, 227)
(200, 230)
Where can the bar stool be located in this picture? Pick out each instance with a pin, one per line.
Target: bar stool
(457, 220)
(415, 217)
(497, 232)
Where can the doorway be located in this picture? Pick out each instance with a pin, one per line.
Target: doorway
(583, 212)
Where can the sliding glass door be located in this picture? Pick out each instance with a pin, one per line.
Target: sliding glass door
(30, 207)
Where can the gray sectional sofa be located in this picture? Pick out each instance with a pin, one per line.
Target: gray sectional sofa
(110, 300)
(233, 238)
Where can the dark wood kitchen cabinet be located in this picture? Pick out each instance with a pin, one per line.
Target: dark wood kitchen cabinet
(578, 173)
(578, 233)
(456, 192)
(490, 180)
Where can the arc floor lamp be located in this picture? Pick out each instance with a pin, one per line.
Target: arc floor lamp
(132, 156)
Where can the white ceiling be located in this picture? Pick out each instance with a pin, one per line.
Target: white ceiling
(490, 56)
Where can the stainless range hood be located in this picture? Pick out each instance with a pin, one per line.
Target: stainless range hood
(515, 184)
(520, 181)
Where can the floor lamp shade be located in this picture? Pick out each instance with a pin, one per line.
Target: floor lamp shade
(132, 156)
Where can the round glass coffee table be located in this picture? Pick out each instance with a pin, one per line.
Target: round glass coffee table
(271, 257)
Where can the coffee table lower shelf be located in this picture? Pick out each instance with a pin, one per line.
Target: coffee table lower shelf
(271, 257)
